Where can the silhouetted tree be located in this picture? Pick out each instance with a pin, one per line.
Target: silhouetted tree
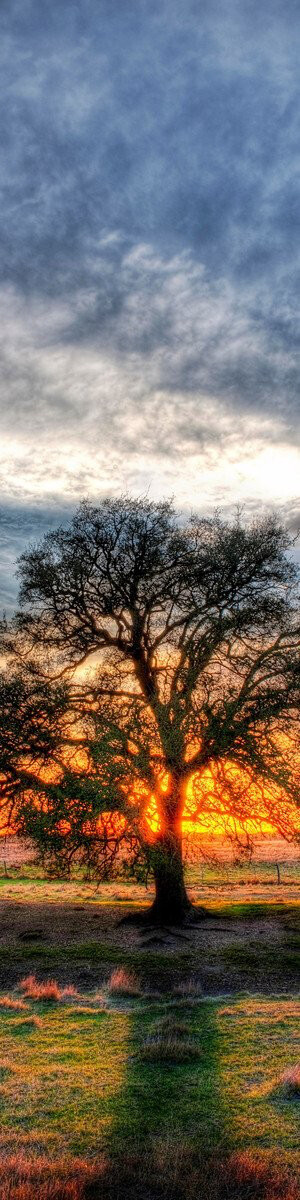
(186, 634)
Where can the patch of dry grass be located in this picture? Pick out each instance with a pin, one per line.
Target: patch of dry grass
(169, 1050)
(123, 983)
(23, 1177)
(169, 1041)
(188, 988)
(259, 1178)
(13, 1003)
(167, 1170)
(49, 990)
(288, 1087)
(27, 1024)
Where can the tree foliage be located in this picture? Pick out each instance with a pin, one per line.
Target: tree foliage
(31, 714)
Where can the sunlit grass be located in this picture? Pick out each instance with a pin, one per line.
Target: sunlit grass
(259, 1043)
(23, 1176)
(61, 1076)
(208, 884)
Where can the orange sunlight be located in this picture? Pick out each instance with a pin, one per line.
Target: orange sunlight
(221, 802)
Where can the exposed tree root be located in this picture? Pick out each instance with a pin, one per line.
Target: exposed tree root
(153, 920)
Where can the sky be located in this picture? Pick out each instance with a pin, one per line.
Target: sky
(149, 258)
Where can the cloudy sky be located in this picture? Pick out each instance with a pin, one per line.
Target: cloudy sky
(149, 256)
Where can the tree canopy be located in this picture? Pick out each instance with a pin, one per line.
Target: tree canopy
(178, 643)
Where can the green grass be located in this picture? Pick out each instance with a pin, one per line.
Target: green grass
(62, 1078)
(149, 965)
(255, 910)
(76, 1083)
(247, 955)
(259, 1043)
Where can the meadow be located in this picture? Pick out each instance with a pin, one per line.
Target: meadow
(157, 1062)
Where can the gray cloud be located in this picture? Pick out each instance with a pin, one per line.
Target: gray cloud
(20, 527)
(149, 247)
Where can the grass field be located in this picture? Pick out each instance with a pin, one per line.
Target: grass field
(172, 1068)
(75, 1078)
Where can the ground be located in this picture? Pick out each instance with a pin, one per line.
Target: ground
(171, 1069)
(77, 932)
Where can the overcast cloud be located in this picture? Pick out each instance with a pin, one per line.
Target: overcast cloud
(149, 313)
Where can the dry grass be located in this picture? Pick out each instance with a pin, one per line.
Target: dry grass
(167, 1171)
(189, 988)
(169, 1041)
(169, 1050)
(28, 1023)
(288, 1087)
(169, 1026)
(12, 1002)
(89, 1010)
(258, 1177)
(49, 990)
(170, 1171)
(123, 983)
(22, 1178)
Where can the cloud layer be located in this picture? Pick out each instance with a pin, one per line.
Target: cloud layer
(149, 253)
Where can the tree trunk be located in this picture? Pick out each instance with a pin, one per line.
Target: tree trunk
(171, 905)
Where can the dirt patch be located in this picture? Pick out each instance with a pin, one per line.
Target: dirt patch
(82, 942)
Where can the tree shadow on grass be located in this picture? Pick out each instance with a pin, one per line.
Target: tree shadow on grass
(170, 1129)
(172, 1099)
(170, 1112)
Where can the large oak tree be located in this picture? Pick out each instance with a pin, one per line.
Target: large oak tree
(179, 642)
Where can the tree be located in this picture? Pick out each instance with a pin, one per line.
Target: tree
(186, 636)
